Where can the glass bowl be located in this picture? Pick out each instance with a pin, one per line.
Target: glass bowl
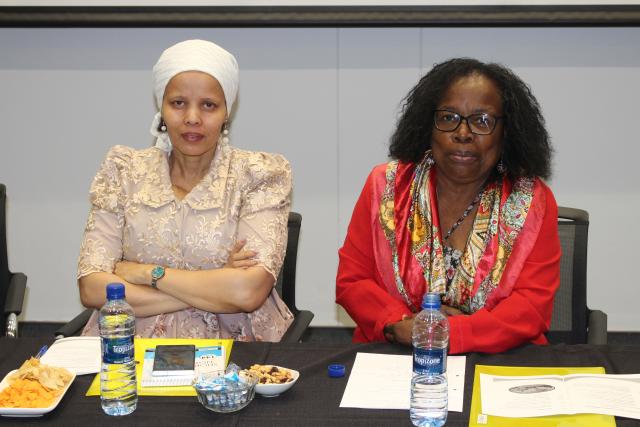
(226, 395)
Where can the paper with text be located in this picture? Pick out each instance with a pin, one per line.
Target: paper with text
(383, 381)
(542, 395)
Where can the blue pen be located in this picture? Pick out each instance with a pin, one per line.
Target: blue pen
(42, 351)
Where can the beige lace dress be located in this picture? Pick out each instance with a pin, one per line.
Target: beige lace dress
(135, 216)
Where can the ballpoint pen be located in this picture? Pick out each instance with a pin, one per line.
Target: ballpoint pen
(42, 351)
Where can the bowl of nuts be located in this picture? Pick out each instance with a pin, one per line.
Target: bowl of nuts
(273, 380)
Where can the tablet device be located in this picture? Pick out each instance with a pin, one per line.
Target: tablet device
(174, 360)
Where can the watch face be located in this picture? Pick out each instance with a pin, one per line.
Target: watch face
(157, 272)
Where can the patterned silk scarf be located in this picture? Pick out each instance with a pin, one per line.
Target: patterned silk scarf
(410, 223)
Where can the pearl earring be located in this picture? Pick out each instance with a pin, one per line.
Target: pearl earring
(225, 132)
(163, 126)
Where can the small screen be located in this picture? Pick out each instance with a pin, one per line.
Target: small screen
(174, 358)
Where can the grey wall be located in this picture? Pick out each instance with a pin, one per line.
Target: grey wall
(328, 100)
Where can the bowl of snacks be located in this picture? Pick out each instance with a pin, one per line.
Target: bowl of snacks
(273, 380)
(228, 393)
(33, 390)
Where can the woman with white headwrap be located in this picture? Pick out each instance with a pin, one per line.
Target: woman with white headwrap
(194, 228)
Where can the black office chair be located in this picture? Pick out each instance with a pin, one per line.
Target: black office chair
(285, 285)
(12, 285)
(572, 321)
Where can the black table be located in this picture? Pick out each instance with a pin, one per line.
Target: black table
(315, 398)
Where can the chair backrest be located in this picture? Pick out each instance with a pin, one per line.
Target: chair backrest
(286, 283)
(570, 312)
(4, 262)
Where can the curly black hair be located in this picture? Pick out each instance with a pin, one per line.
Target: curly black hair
(527, 147)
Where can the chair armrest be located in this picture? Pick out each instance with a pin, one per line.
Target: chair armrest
(75, 325)
(14, 302)
(597, 325)
(296, 330)
(15, 294)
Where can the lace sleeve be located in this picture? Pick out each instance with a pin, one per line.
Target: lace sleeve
(101, 244)
(265, 209)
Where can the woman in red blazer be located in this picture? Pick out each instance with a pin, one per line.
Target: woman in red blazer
(461, 210)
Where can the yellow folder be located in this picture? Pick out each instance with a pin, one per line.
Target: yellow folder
(142, 344)
(477, 419)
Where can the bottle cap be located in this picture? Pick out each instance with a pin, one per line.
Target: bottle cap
(335, 371)
(431, 300)
(115, 291)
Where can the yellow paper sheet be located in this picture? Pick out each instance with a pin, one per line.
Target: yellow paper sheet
(142, 344)
(476, 419)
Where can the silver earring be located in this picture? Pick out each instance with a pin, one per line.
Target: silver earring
(429, 159)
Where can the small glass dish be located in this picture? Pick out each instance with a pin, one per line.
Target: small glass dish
(225, 394)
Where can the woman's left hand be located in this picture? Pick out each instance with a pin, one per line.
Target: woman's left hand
(450, 311)
(133, 272)
(240, 258)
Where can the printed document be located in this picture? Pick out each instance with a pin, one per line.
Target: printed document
(383, 381)
(538, 396)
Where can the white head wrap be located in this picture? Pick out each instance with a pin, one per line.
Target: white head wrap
(192, 55)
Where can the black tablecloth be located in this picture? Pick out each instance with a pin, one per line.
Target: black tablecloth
(315, 398)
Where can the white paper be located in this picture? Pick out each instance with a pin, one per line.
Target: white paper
(81, 355)
(542, 395)
(383, 381)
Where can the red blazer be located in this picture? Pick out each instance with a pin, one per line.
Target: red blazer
(523, 316)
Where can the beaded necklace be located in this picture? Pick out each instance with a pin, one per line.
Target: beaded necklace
(464, 215)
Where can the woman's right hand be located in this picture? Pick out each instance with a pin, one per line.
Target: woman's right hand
(402, 331)
(239, 258)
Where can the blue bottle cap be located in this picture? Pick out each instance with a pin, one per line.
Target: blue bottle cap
(115, 291)
(431, 300)
(335, 371)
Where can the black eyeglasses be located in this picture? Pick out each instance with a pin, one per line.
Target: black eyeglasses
(480, 124)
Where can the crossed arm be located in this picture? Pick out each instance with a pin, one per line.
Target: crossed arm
(240, 286)
(263, 194)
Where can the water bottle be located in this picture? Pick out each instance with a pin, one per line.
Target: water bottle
(430, 338)
(118, 393)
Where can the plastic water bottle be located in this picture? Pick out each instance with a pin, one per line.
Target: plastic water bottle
(430, 337)
(118, 393)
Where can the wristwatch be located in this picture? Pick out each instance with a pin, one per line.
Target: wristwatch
(156, 274)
